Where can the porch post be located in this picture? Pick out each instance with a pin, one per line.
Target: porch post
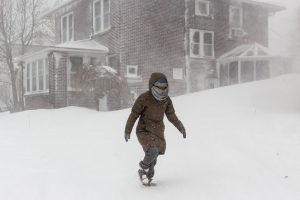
(239, 70)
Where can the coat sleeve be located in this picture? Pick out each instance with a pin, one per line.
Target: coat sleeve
(170, 113)
(135, 113)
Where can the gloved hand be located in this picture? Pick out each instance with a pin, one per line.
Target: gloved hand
(182, 131)
(127, 137)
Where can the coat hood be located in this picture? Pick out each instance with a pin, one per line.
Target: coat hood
(155, 77)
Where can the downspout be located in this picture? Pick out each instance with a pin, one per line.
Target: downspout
(186, 46)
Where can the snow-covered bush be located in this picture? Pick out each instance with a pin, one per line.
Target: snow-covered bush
(98, 82)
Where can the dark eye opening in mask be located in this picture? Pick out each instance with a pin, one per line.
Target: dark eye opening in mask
(162, 87)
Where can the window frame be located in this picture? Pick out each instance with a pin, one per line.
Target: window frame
(67, 27)
(131, 75)
(102, 15)
(240, 8)
(201, 43)
(29, 77)
(198, 12)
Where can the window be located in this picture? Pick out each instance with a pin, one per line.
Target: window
(67, 28)
(33, 75)
(201, 43)
(37, 76)
(76, 63)
(236, 17)
(202, 7)
(46, 73)
(132, 70)
(101, 15)
(28, 85)
(41, 74)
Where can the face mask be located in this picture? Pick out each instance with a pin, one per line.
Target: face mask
(160, 93)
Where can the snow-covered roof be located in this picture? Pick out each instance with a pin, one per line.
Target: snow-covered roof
(82, 45)
(247, 52)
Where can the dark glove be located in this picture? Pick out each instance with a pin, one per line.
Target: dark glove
(127, 137)
(182, 131)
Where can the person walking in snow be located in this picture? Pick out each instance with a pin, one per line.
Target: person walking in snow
(151, 107)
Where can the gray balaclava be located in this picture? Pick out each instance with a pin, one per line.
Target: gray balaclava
(160, 90)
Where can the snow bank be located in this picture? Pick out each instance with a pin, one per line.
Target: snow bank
(243, 143)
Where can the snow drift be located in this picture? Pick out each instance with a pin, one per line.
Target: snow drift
(243, 142)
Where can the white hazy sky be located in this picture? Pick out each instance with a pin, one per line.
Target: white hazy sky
(280, 24)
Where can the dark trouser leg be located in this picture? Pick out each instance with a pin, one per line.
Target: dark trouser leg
(149, 161)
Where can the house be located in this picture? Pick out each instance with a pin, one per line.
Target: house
(198, 44)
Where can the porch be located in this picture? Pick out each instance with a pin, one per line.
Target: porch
(49, 75)
(246, 63)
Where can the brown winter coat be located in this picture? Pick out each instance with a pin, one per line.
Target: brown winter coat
(150, 128)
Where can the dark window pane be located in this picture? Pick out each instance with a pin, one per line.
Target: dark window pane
(106, 8)
(196, 49)
(93, 61)
(196, 37)
(64, 29)
(28, 78)
(41, 74)
(34, 74)
(47, 73)
(202, 7)
(262, 70)
(233, 73)
(97, 15)
(70, 27)
(208, 38)
(76, 63)
(236, 17)
(132, 70)
(247, 71)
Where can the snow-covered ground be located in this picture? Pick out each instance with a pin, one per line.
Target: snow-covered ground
(243, 143)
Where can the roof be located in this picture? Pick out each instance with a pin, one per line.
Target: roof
(80, 46)
(271, 7)
(247, 52)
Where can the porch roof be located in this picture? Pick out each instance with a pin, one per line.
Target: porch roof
(269, 6)
(80, 46)
(83, 45)
(252, 51)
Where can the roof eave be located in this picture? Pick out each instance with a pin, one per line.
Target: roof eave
(60, 49)
(270, 7)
